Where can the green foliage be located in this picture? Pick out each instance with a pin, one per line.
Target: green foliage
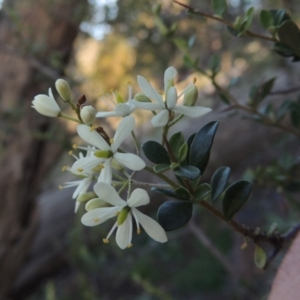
(219, 6)
(202, 191)
(218, 182)
(235, 197)
(260, 257)
(188, 172)
(174, 214)
(259, 93)
(156, 153)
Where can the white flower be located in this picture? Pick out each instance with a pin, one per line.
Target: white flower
(125, 212)
(46, 105)
(83, 184)
(170, 103)
(63, 89)
(106, 152)
(117, 104)
(88, 114)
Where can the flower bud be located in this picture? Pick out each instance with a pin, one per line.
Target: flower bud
(95, 203)
(88, 114)
(46, 105)
(141, 98)
(63, 89)
(86, 197)
(190, 96)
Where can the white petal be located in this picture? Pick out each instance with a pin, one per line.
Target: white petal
(191, 111)
(107, 193)
(148, 105)
(123, 131)
(85, 165)
(77, 204)
(104, 114)
(82, 187)
(98, 215)
(161, 119)
(130, 161)
(138, 197)
(152, 228)
(170, 74)
(171, 97)
(106, 172)
(92, 137)
(123, 110)
(124, 233)
(149, 91)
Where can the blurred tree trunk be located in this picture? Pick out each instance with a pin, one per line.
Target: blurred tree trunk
(36, 39)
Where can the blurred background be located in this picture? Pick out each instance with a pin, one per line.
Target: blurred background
(102, 45)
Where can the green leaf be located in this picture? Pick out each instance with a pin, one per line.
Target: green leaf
(156, 153)
(165, 191)
(183, 152)
(182, 193)
(219, 7)
(279, 16)
(160, 168)
(202, 191)
(235, 196)
(266, 19)
(181, 43)
(282, 50)
(233, 31)
(176, 141)
(289, 35)
(200, 147)
(188, 172)
(247, 20)
(283, 109)
(260, 257)
(174, 214)
(215, 63)
(218, 182)
(295, 115)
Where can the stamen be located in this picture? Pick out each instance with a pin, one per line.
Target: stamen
(65, 168)
(80, 170)
(74, 146)
(111, 141)
(96, 220)
(129, 246)
(139, 231)
(194, 80)
(111, 231)
(136, 221)
(105, 241)
(92, 128)
(60, 187)
(70, 152)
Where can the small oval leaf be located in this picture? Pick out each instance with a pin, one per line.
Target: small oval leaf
(188, 172)
(174, 214)
(260, 257)
(156, 153)
(200, 147)
(219, 7)
(202, 191)
(218, 182)
(160, 168)
(235, 196)
(176, 141)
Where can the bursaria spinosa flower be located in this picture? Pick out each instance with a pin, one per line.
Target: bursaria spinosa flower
(125, 212)
(104, 154)
(63, 89)
(168, 105)
(46, 105)
(119, 108)
(88, 114)
(85, 180)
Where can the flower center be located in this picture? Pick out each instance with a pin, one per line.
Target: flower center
(123, 215)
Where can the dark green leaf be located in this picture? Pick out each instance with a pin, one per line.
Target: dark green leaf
(279, 16)
(219, 7)
(233, 31)
(215, 63)
(283, 50)
(174, 214)
(283, 109)
(181, 43)
(188, 172)
(200, 147)
(260, 257)
(176, 141)
(165, 191)
(289, 35)
(266, 88)
(160, 168)
(218, 182)
(247, 20)
(235, 196)
(266, 19)
(202, 191)
(182, 193)
(183, 152)
(156, 153)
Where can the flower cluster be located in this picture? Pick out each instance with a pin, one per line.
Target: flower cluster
(106, 163)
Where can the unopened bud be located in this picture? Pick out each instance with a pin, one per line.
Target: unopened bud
(63, 89)
(190, 96)
(141, 98)
(86, 197)
(95, 203)
(88, 114)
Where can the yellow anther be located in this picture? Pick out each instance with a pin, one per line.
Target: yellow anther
(60, 187)
(65, 168)
(101, 166)
(105, 241)
(74, 146)
(129, 83)
(129, 246)
(111, 141)
(244, 246)
(70, 152)
(92, 128)
(194, 80)
(139, 231)
(96, 220)
(80, 170)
